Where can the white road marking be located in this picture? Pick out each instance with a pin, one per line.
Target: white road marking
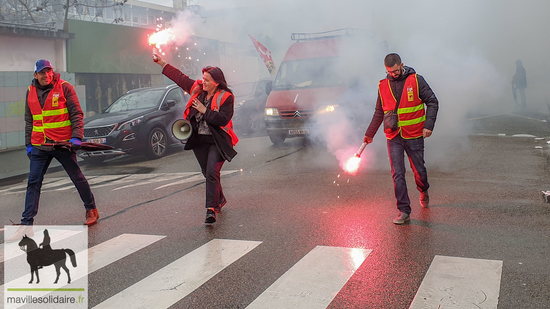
(173, 282)
(186, 180)
(314, 281)
(96, 182)
(524, 135)
(124, 181)
(455, 282)
(160, 178)
(198, 177)
(98, 256)
(116, 248)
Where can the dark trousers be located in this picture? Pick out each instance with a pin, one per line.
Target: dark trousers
(211, 163)
(40, 161)
(414, 148)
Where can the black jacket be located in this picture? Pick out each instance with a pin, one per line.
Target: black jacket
(73, 106)
(215, 119)
(426, 95)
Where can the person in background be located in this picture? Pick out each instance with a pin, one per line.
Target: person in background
(519, 82)
(209, 111)
(405, 92)
(52, 114)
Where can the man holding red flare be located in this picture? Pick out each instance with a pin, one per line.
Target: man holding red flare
(400, 105)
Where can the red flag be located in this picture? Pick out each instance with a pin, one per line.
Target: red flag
(265, 54)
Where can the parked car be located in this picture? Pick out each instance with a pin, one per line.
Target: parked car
(250, 98)
(139, 122)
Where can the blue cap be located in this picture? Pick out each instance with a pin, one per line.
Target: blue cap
(41, 65)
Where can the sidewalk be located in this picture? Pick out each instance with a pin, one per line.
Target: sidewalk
(14, 165)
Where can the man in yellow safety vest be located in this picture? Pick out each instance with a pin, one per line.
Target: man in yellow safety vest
(401, 99)
(52, 114)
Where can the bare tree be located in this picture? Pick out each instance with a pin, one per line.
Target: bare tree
(49, 13)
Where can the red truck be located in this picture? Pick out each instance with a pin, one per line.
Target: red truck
(312, 77)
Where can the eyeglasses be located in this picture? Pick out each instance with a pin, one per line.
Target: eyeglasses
(394, 72)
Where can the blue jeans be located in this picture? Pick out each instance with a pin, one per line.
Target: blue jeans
(40, 161)
(397, 147)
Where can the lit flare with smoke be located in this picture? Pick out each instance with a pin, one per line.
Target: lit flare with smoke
(352, 164)
(161, 37)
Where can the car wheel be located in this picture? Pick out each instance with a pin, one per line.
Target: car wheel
(156, 144)
(277, 139)
(254, 122)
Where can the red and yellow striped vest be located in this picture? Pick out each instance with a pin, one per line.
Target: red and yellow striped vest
(51, 121)
(411, 113)
(218, 100)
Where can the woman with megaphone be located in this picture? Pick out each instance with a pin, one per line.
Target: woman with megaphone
(209, 112)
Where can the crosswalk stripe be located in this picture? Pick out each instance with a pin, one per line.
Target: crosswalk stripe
(116, 248)
(96, 182)
(187, 273)
(158, 179)
(106, 253)
(195, 178)
(455, 282)
(314, 281)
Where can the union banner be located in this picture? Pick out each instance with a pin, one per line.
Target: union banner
(265, 54)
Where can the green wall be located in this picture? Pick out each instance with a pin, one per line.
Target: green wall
(107, 48)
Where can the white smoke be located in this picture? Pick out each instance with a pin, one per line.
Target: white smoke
(464, 49)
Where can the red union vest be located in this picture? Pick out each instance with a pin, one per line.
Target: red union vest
(411, 114)
(218, 100)
(51, 121)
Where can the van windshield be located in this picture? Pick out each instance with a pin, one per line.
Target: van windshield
(308, 73)
(136, 100)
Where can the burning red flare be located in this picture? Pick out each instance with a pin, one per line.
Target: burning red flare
(352, 165)
(161, 38)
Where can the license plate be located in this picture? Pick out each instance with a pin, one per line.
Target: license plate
(297, 132)
(97, 140)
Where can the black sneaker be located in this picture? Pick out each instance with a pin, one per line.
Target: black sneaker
(210, 216)
(424, 199)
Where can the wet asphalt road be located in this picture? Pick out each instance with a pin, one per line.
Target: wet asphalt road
(486, 203)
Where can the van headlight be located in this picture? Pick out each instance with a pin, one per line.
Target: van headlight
(129, 124)
(239, 104)
(271, 111)
(327, 109)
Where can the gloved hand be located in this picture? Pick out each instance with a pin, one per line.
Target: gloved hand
(76, 143)
(29, 149)
(367, 139)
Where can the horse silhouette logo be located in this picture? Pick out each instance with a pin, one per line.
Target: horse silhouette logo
(39, 257)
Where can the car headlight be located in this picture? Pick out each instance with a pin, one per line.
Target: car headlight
(327, 109)
(271, 111)
(129, 124)
(239, 104)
